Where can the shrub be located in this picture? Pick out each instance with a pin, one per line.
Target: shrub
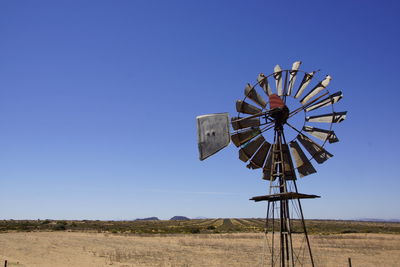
(195, 230)
(59, 227)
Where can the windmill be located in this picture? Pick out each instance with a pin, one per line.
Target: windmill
(273, 135)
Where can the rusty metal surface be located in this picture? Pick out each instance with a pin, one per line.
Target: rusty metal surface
(213, 133)
(335, 117)
(318, 88)
(244, 107)
(316, 151)
(303, 165)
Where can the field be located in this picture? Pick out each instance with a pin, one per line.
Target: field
(208, 242)
(206, 226)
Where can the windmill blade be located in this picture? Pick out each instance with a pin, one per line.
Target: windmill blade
(258, 160)
(335, 117)
(293, 73)
(239, 123)
(332, 99)
(290, 174)
(318, 88)
(268, 166)
(213, 133)
(321, 134)
(263, 82)
(240, 138)
(304, 83)
(303, 165)
(316, 151)
(244, 107)
(248, 150)
(251, 93)
(278, 79)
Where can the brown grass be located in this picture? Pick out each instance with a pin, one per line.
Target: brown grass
(47, 249)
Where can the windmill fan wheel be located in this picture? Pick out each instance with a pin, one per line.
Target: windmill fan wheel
(267, 114)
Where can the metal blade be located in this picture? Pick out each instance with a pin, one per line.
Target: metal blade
(290, 174)
(213, 133)
(268, 166)
(335, 117)
(278, 79)
(318, 88)
(248, 150)
(242, 137)
(258, 160)
(332, 99)
(293, 73)
(263, 82)
(321, 134)
(317, 152)
(304, 83)
(251, 93)
(304, 166)
(244, 107)
(241, 123)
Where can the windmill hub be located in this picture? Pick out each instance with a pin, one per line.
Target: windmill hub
(280, 115)
(278, 110)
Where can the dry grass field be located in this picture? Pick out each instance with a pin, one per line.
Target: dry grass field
(63, 248)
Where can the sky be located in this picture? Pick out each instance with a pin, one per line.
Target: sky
(98, 101)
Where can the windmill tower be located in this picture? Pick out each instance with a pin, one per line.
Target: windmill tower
(271, 136)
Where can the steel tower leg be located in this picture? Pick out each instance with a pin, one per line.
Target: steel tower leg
(279, 185)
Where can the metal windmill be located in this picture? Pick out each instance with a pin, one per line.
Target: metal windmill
(279, 120)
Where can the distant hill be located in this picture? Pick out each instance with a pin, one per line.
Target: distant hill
(148, 219)
(179, 218)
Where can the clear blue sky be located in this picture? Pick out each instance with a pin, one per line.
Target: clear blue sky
(98, 101)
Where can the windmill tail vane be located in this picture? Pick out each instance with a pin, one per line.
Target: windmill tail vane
(279, 134)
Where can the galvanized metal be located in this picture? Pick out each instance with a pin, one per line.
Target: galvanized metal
(259, 158)
(335, 117)
(213, 133)
(239, 123)
(278, 79)
(303, 165)
(304, 83)
(293, 74)
(252, 94)
(246, 152)
(318, 88)
(332, 99)
(263, 82)
(321, 134)
(316, 151)
(240, 138)
(246, 108)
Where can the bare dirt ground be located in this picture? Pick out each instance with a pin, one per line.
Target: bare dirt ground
(49, 249)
